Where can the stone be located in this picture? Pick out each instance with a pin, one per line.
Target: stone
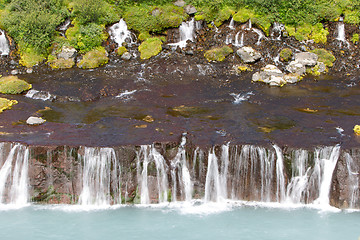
(93, 59)
(180, 3)
(13, 85)
(126, 56)
(296, 67)
(156, 12)
(306, 58)
(29, 70)
(189, 52)
(67, 53)
(190, 9)
(292, 78)
(272, 70)
(35, 121)
(248, 54)
(14, 72)
(276, 81)
(321, 67)
(357, 129)
(271, 75)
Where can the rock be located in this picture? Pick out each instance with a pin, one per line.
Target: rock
(29, 70)
(272, 70)
(292, 78)
(150, 47)
(271, 75)
(13, 85)
(67, 53)
(61, 63)
(180, 3)
(6, 104)
(248, 54)
(14, 72)
(35, 121)
(286, 54)
(190, 9)
(276, 81)
(156, 12)
(357, 129)
(126, 56)
(321, 67)
(189, 52)
(121, 50)
(296, 67)
(93, 59)
(306, 58)
(218, 54)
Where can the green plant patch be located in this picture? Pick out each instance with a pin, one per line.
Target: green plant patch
(150, 47)
(307, 31)
(93, 59)
(29, 57)
(60, 63)
(121, 50)
(13, 85)
(286, 54)
(355, 38)
(218, 54)
(6, 104)
(324, 56)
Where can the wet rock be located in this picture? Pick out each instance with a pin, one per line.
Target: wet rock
(67, 53)
(35, 121)
(190, 9)
(29, 70)
(14, 72)
(179, 3)
(321, 67)
(218, 54)
(296, 67)
(189, 52)
(126, 56)
(271, 75)
(292, 78)
(93, 59)
(306, 58)
(248, 54)
(13, 85)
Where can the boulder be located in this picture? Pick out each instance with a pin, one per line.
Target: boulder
(13, 85)
(321, 67)
(306, 58)
(292, 78)
(126, 56)
(296, 67)
(180, 3)
(276, 81)
(190, 9)
(67, 53)
(35, 121)
(271, 75)
(248, 54)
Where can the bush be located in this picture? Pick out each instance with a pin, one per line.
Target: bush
(324, 56)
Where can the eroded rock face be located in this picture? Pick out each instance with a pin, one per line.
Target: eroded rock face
(248, 54)
(306, 58)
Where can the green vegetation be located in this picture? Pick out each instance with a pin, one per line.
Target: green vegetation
(150, 47)
(324, 56)
(6, 104)
(355, 38)
(307, 31)
(13, 85)
(121, 50)
(60, 63)
(218, 54)
(286, 54)
(93, 59)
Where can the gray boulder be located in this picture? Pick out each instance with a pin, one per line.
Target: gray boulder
(248, 54)
(306, 58)
(271, 75)
(179, 3)
(190, 9)
(292, 78)
(67, 53)
(126, 56)
(296, 67)
(35, 121)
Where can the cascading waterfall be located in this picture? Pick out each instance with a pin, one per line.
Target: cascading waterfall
(212, 185)
(280, 178)
(341, 33)
(120, 33)
(187, 32)
(101, 177)
(4, 45)
(14, 178)
(231, 24)
(277, 30)
(353, 181)
(237, 42)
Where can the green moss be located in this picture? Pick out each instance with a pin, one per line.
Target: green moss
(6, 104)
(243, 15)
(218, 54)
(93, 59)
(352, 17)
(223, 15)
(262, 21)
(144, 35)
(121, 50)
(286, 54)
(199, 17)
(319, 33)
(355, 38)
(324, 56)
(307, 31)
(149, 48)
(60, 63)
(29, 57)
(13, 85)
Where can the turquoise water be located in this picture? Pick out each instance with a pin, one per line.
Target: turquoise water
(244, 222)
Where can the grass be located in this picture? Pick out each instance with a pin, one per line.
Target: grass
(13, 85)
(150, 47)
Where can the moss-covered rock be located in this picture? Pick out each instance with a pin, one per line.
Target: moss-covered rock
(324, 56)
(29, 57)
(357, 129)
(243, 15)
(60, 63)
(93, 59)
(121, 50)
(355, 38)
(286, 54)
(150, 47)
(304, 32)
(6, 104)
(218, 54)
(13, 85)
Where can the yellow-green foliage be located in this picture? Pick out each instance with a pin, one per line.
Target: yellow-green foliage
(144, 35)
(13, 85)
(357, 129)
(150, 47)
(6, 104)
(352, 17)
(199, 17)
(93, 59)
(286, 54)
(355, 38)
(244, 15)
(307, 31)
(218, 54)
(121, 50)
(60, 63)
(140, 18)
(29, 57)
(223, 15)
(324, 56)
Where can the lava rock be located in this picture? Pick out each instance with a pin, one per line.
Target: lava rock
(126, 56)
(248, 54)
(306, 58)
(35, 121)
(67, 53)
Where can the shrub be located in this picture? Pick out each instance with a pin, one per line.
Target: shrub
(286, 54)
(150, 47)
(324, 56)
(218, 54)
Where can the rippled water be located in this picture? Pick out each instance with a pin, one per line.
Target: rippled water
(178, 222)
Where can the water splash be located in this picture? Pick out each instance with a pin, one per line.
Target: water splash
(39, 95)
(240, 97)
(120, 33)
(187, 32)
(126, 95)
(4, 44)
(237, 42)
(231, 24)
(341, 33)
(353, 181)
(277, 30)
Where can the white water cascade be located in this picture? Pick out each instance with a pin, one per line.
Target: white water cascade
(277, 30)
(341, 33)
(100, 177)
(120, 33)
(353, 181)
(4, 45)
(231, 24)
(187, 32)
(239, 43)
(14, 175)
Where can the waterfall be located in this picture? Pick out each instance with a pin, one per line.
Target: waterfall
(148, 158)
(237, 43)
(353, 181)
(120, 33)
(100, 177)
(277, 29)
(4, 45)
(341, 32)
(260, 34)
(231, 24)
(212, 185)
(187, 32)
(280, 178)
(325, 162)
(14, 178)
